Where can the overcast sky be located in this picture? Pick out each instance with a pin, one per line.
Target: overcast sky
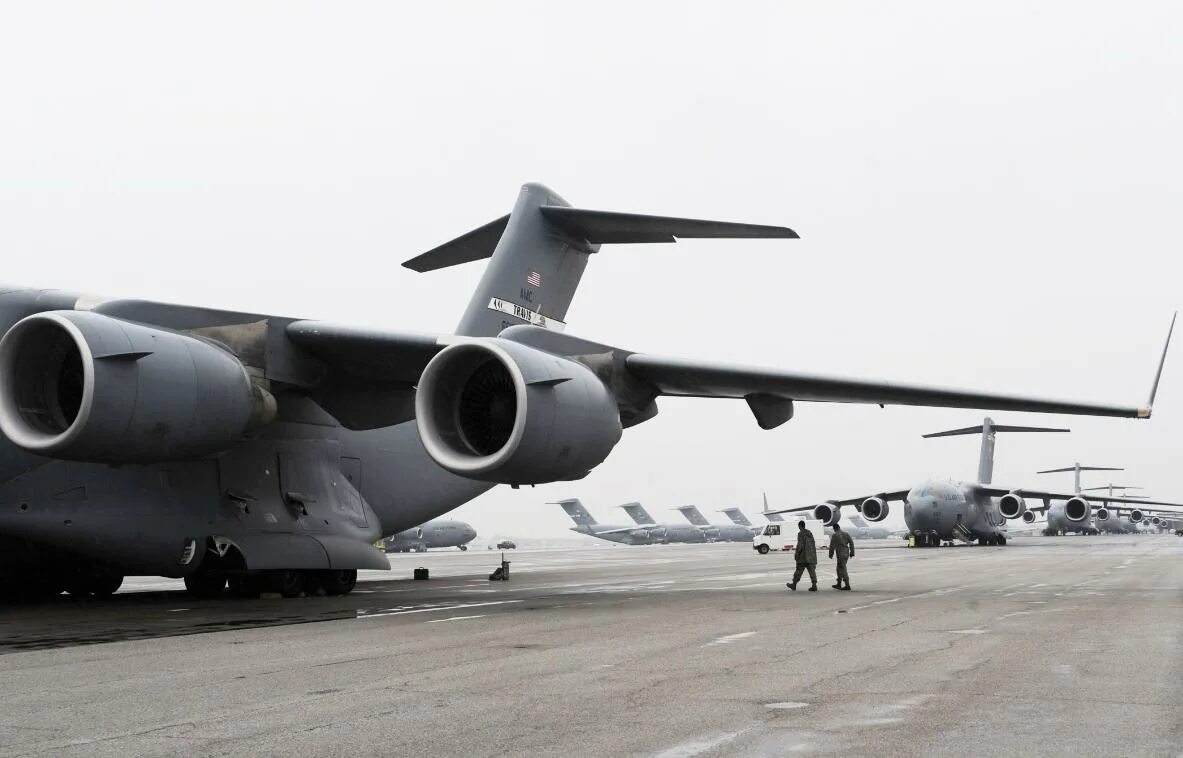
(987, 195)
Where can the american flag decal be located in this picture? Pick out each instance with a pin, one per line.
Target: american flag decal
(534, 279)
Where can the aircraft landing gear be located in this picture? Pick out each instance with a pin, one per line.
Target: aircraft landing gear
(464, 547)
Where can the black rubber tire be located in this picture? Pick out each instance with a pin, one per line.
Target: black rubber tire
(205, 585)
(337, 582)
(762, 550)
(241, 585)
(106, 585)
(464, 547)
(288, 582)
(1001, 540)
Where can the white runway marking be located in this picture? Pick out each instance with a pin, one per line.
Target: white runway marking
(728, 639)
(785, 706)
(968, 631)
(456, 618)
(436, 609)
(691, 749)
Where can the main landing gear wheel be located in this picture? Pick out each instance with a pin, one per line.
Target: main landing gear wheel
(205, 585)
(464, 547)
(762, 550)
(1001, 540)
(98, 586)
(337, 582)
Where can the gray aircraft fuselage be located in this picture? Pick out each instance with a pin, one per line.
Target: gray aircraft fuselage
(940, 507)
(433, 534)
(617, 533)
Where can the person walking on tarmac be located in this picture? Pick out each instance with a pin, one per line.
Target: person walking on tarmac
(842, 546)
(805, 552)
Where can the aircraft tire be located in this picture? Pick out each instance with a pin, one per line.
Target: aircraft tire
(205, 585)
(105, 586)
(243, 586)
(464, 547)
(762, 550)
(1001, 540)
(337, 582)
(287, 582)
(982, 542)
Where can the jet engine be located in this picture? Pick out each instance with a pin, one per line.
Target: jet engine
(874, 509)
(1136, 516)
(1012, 505)
(827, 513)
(78, 385)
(498, 411)
(1028, 517)
(1077, 509)
(1102, 514)
(1156, 521)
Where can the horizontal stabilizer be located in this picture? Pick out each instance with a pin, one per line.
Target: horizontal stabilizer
(472, 246)
(996, 428)
(608, 227)
(1079, 468)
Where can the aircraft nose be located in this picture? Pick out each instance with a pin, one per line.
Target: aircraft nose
(918, 513)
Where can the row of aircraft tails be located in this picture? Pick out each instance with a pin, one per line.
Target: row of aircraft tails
(645, 530)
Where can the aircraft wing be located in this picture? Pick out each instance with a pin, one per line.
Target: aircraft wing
(1138, 503)
(770, 392)
(855, 501)
(359, 363)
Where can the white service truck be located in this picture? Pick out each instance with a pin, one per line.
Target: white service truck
(783, 537)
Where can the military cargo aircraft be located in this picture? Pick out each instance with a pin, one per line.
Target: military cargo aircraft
(939, 511)
(717, 532)
(438, 533)
(271, 452)
(1057, 522)
(585, 523)
(665, 533)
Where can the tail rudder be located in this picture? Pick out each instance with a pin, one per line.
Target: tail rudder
(736, 515)
(577, 512)
(988, 429)
(539, 251)
(637, 512)
(693, 515)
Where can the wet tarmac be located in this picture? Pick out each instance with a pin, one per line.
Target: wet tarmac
(1051, 646)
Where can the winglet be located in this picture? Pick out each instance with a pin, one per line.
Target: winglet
(1145, 412)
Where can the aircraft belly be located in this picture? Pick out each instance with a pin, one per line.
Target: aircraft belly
(132, 516)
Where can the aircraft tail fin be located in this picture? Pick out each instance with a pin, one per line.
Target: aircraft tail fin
(637, 512)
(577, 512)
(736, 515)
(693, 515)
(988, 429)
(539, 251)
(1076, 468)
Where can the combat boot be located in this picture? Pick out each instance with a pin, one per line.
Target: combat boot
(791, 585)
(813, 588)
(837, 586)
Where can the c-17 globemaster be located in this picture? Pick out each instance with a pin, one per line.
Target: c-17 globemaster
(938, 511)
(437, 533)
(717, 532)
(273, 452)
(585, 523)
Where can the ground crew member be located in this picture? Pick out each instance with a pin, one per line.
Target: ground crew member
(842, 546)
(805, 551)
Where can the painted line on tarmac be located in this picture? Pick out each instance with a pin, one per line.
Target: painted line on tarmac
(456, 618)
(436, 609)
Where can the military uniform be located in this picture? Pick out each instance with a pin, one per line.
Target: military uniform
(805, 552)
(842, 546)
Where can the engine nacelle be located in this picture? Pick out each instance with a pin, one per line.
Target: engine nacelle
(1012, 505)
(1077, 509)
(827, 513)
(1155, 521)
(1136, 516)
(875, 509)
(1028, 517)
(1102, 514)
(78, 385)
(502, 412)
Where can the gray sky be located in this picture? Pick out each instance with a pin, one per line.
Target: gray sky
(987, 197)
